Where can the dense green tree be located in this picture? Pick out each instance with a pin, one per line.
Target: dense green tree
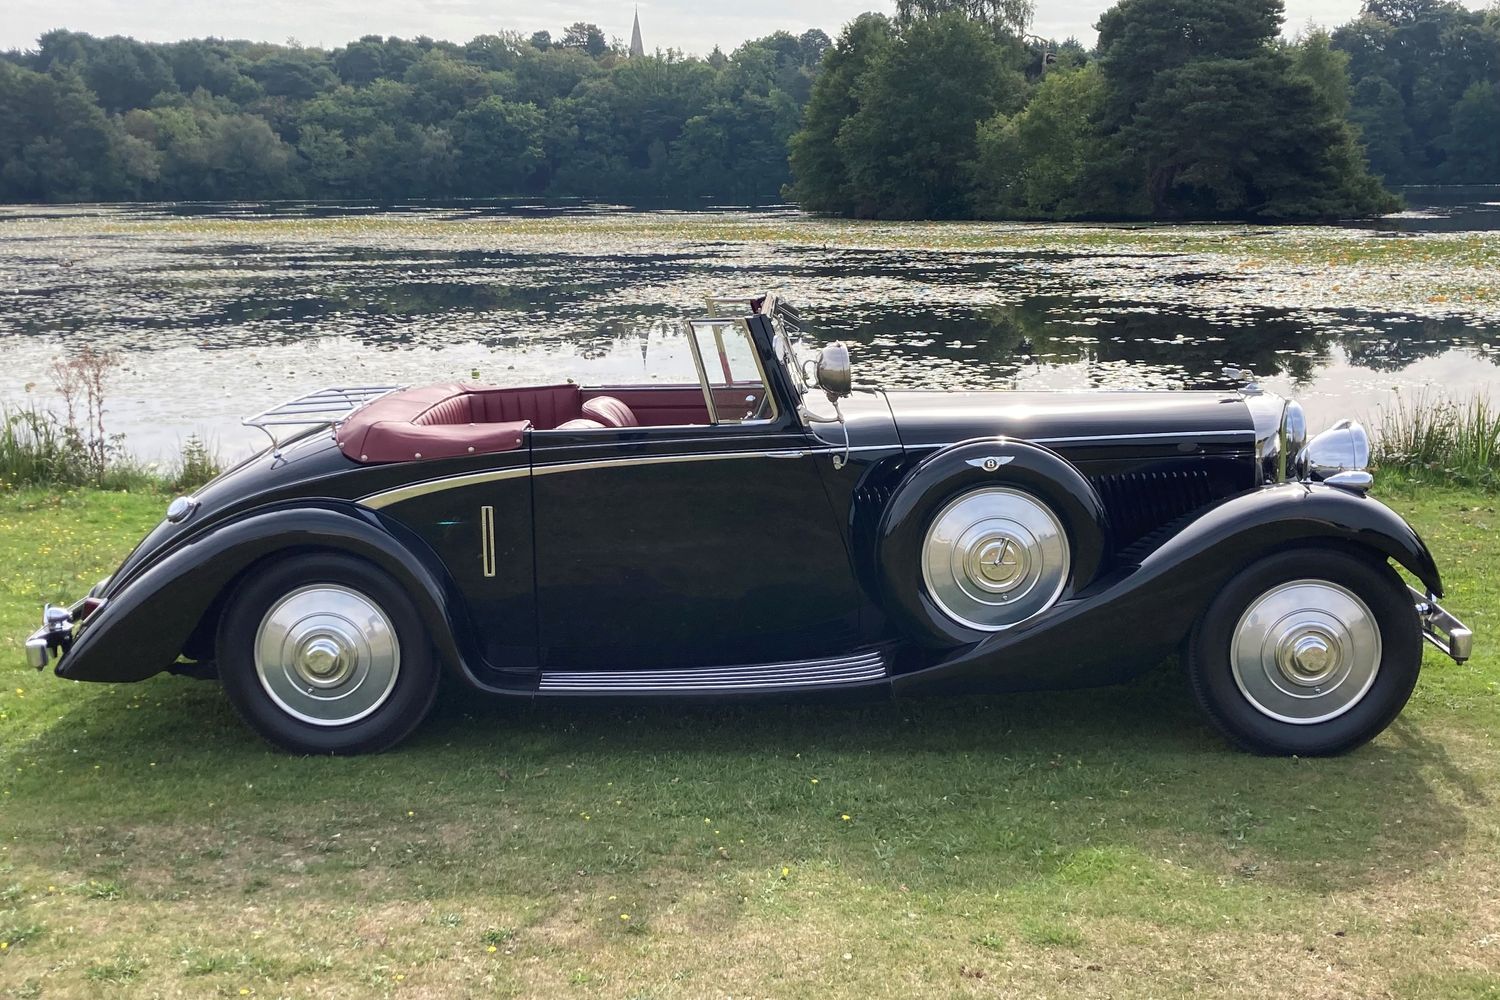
(499, 145)
(920, 103)
(293, 74)
(1245, 137)
(1050, 159)
(822, 176)
(1139, 40)
(1473, 140)
(587, 38)
(1412, 63)
(55, 142)
(1009, 16)
(1325, 67)
(211, 66)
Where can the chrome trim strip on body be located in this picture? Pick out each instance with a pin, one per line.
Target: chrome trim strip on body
(1247, 433)
(613, 463)
(856, 668)
(375, 501)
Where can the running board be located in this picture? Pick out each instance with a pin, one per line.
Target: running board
(858, 668)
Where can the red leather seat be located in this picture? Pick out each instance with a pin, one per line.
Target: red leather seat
(580, 424)
(609, 411)
(434, 421)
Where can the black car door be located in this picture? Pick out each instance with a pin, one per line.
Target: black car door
(694, 545)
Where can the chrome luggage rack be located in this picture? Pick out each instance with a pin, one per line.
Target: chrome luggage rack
(323, 408)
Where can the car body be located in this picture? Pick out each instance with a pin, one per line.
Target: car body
(773, 530)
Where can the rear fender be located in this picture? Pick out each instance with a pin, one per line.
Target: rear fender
(1135, 617)
(143, 628)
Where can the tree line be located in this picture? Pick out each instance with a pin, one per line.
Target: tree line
(85, 118)
(1184, 109)
(945, 109)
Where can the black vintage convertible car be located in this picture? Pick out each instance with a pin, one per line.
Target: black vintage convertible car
(774, 529)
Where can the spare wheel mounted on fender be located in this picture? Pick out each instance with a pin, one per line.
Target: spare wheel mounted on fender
(984, 535)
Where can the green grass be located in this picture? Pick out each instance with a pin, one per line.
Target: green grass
(1077, 844)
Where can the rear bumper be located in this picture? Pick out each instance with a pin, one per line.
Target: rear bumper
(56, 634)
(1441, 628)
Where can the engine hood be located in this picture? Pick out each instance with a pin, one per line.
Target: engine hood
(1063, 419)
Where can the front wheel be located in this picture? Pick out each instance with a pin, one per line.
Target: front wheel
(325, 654)
(1308, 652)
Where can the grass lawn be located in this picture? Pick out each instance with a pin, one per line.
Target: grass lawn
(1099, 843)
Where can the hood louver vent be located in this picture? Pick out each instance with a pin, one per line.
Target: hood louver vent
(1140, 502)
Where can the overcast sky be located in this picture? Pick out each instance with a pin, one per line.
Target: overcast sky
(692, 25)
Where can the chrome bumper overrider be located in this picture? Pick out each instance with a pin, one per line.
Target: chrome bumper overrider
(56, 632)
(1441, 629)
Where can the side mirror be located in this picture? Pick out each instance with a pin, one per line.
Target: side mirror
(832, 373)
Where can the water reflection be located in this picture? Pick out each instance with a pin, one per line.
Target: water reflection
(219, 321)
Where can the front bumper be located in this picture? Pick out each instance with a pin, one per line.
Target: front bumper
(1442, 629)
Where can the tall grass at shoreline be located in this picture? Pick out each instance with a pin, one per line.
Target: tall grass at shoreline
(1443, 440)
(39, 449)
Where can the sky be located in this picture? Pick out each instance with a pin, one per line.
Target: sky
(693, 26)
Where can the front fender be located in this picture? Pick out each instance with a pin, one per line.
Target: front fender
(144, 627)
(1135, 617)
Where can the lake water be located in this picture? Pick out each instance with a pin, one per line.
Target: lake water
(219, 310)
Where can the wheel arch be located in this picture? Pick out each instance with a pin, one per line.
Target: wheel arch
(172, 607)
(1136, 614)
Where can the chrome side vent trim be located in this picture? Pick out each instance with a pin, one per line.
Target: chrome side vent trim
(797, 675)
(487, 539)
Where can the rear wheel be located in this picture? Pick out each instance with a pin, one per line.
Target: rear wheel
(326, 654)
(1307, 652)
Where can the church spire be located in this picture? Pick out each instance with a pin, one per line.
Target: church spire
(636, 48)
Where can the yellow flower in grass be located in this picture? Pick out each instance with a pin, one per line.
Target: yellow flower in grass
(845, 817)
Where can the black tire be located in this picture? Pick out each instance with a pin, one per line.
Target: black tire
(1226, 703)
(406, 699)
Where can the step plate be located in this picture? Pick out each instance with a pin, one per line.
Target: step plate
(803, 674)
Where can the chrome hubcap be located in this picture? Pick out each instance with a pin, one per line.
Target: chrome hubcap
(1306, 651)
(327, 655)
(994, 557)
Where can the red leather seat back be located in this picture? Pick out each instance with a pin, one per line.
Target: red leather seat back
(609, 411)
(545, 406)
(453, 410)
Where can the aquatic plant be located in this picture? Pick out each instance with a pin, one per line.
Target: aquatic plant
(1431, 437)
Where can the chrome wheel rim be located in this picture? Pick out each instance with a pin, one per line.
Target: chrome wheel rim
(1306, 651)
(327, 655)
(994, 557)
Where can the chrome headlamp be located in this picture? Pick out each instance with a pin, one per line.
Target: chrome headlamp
(1339, 456)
